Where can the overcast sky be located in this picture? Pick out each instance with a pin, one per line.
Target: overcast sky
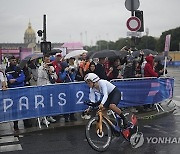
(94, 19)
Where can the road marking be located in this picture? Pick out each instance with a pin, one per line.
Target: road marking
(7, 148)
(8, 144)
(147, 126)
(155, 129)
(177, 102)
(8, 139)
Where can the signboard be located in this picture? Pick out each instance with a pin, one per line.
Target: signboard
(136, 34)
(133, 24)
(132, 5)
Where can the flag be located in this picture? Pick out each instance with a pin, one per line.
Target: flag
(167, 44)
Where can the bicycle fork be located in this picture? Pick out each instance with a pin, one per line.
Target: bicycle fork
(99, 130)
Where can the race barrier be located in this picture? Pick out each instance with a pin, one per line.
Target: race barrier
(174, 63)
(33, 102)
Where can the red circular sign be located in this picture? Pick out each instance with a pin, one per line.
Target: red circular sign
(133, 24)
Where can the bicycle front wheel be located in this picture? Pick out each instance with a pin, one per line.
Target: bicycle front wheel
(99, 142)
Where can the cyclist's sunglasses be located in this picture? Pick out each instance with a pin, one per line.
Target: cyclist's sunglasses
(88, 81)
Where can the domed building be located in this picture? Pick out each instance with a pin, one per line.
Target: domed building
(29, 35)
(20, 50)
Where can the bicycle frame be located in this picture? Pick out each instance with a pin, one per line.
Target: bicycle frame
(99, 123)
(116, 127)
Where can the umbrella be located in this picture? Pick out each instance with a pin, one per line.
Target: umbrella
(33, 56)
(104, 54)
(146, 52)
(122, 54)
(161, 58)
(54, 51)
(75, 53)
(30, 57)
(89, 53)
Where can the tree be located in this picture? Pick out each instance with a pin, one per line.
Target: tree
(147, 42)
(119, 44)
(102, 44)
(175, 39)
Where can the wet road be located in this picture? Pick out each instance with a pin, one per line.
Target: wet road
(72, 140)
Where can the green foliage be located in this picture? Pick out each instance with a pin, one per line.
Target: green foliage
(145, 42)
(175, 39)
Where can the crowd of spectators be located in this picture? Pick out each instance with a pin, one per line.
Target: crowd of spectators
(60, 71)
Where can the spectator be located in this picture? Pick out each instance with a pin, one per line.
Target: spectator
(149, 67)
(46, 75)
(72, 65)
(149, 72)
(116, 69)
(15, 78)
(34, 72)
(129, 70)
(100, 69)
(91, 69)
(138, 72)
(3, 83)
(159, 68)
(57, 66)
(67, 75)
(82, 68)
(28, 75)
(107, 65)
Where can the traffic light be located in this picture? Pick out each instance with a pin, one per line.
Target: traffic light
(39, 32)
(45, 47)
(139, 14)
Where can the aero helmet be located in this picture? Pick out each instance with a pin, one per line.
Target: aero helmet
(91, 77)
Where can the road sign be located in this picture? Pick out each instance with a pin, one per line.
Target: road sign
(133, 23)
(136, 34)
(132, 5)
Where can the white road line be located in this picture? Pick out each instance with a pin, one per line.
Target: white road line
(155, 129)
(147, 126)
(176, 102)
(7, 148)
(8, 139)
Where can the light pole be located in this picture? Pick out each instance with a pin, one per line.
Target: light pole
(45, 46)
(44, 28)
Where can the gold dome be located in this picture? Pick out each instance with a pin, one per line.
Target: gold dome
(29, 30)
(29, 35)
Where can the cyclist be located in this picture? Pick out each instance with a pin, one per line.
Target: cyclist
(111, 94)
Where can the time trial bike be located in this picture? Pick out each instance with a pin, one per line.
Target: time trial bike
(101, 128)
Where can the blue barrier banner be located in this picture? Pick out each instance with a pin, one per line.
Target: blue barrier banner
(31, 102)
(174, 63)
(136, 92)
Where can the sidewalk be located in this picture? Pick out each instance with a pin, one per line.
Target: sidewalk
(7, 128)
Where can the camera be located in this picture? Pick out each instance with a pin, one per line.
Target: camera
(49, 64)
(72, 69)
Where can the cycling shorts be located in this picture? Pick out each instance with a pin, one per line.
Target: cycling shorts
(113, 98)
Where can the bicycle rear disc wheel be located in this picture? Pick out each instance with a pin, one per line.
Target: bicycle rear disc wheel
(98, 142)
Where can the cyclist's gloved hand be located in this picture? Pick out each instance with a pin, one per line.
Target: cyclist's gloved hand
(100, 106)
(87, 110)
